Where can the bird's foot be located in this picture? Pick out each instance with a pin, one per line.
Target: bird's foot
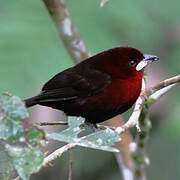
(94, 127)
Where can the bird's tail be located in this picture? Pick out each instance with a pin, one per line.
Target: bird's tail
(31, 101)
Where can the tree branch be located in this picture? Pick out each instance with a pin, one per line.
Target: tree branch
(67, 30)
(127, 173)
(123, 158)
(162, 84)
(139, 155)
(155, 96)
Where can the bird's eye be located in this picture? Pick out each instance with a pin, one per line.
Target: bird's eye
(132, 63)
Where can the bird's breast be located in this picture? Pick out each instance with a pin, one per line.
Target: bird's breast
(122, 91)
(116, 97)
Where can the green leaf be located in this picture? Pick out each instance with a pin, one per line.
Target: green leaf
(102, 140)
(6, 166)
(18, 140)
(18, 156)
(32, 136)
(14, 122)
(70, 134)
(74, 127)
(12, 112)
(26, 160)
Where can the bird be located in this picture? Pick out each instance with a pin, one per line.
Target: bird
(98, 88)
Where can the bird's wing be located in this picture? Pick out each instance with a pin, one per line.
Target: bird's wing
(79, 81)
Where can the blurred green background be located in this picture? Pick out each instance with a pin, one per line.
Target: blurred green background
(31, 52)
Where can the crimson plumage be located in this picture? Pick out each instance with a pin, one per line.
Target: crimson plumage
(99, 87)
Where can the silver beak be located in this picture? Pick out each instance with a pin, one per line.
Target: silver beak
(146, 60)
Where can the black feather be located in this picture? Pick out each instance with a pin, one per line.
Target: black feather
(79, 81)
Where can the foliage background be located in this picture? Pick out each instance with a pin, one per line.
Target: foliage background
(31, 53)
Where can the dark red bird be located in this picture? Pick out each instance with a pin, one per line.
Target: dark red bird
(98, 88)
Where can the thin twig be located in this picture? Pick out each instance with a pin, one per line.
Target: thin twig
(154, 97)
(58, 153)
(70, 164)
(147, 95)
(133, 120)
(52, 124)
(162, 84)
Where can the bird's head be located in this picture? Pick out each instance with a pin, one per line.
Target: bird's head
(126, 61)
